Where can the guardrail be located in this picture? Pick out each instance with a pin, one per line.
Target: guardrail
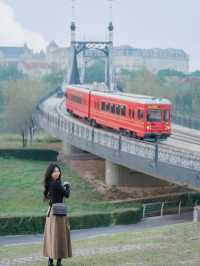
(164, 208)
(157, 153)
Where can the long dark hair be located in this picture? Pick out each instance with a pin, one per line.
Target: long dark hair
(47, 178)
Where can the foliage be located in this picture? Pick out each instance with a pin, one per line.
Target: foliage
(20, 100)
(183, 90)
(95, 72)
(35, 224)
(163, 73)
(29, 154)
(54, 79)
(10, 72)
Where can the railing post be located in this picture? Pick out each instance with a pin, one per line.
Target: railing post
(120, 142)
(179, 208)
(144, 209)
(162, 207)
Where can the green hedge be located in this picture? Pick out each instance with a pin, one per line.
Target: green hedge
(35, 225)
(30, 154)
(128, 216)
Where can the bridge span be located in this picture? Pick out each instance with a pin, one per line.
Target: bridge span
(177, 160)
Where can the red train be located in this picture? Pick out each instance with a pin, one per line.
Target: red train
(139, 116)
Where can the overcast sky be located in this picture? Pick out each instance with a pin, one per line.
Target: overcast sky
(140, 23)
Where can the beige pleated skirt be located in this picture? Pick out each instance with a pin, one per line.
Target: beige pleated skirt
(57, 241)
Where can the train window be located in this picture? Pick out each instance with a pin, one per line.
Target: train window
(103, 106)
(131, 114)
(107, 107)
(166, 116)
(113, 108)
(118, 109)
(123, 110)
(140, 114)
(154, 116)
(76, 99)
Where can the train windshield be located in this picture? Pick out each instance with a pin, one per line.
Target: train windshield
(154, 116)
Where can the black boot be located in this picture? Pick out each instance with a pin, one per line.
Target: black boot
(58, 262)
(50, 262)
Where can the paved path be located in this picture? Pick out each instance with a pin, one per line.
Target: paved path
(102, 231)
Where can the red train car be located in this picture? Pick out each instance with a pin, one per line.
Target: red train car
(140, 116)
(78, 101)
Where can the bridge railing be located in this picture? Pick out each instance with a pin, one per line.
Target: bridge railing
(157, 153)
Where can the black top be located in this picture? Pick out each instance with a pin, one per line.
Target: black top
(57, 191)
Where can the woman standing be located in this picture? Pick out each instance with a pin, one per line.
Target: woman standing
(57, 242)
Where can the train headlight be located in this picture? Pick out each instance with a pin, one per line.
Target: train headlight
(148, 127)
(167, 127)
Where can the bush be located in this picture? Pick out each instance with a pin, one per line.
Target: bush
(30, 154)
(129, 216)
(35, 225)
(90, 220)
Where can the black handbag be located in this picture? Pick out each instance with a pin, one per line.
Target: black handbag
(59, 209)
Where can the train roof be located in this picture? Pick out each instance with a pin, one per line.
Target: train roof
(136, 98)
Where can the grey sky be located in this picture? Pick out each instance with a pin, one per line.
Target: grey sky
(140, 23)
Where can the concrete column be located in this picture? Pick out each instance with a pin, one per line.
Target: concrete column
(119, 175)
(112, 173)
(68, 149)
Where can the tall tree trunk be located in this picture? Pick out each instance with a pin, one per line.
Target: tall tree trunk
(23, 137)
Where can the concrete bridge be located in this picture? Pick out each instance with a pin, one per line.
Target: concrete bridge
(176, 161)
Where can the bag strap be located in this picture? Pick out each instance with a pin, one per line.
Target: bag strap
(50, 204)
(49, 211)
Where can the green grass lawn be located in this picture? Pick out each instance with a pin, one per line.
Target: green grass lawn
(21, 190)
(172, 245)
(41, 141)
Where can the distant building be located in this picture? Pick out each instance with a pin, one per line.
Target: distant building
(127, 57)
(124, 57)
(153, 59)
(33, 64)
(57, 57)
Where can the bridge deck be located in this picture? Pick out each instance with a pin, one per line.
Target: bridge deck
(177, 160)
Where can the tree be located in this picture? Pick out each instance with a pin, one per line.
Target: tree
(163, 73)
(195, 73)
(96, 72)
(10, 72)
(54, 79)
(21, 98)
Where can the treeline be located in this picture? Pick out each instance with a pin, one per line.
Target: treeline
(19, 95)
(182, 89)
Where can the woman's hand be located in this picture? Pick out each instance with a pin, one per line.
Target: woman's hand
(67, 185)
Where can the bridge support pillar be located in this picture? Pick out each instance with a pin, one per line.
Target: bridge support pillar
(112, 173)
(117, 175)
(68, 149)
